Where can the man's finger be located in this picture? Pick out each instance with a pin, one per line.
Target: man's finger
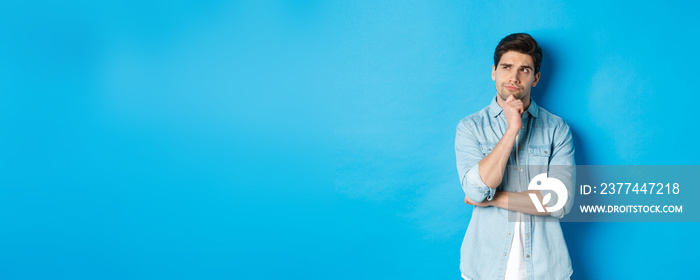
(510, 98)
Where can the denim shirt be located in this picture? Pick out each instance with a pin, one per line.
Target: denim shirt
(544, 145)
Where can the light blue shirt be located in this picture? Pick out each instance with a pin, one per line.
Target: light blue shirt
(544, 145)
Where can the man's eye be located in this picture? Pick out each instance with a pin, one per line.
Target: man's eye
(525, 70)
(506, 67)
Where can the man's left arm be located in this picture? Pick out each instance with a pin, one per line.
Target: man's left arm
(514, 201)
(562, 166)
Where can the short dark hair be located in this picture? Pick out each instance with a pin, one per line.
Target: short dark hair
(522, 43)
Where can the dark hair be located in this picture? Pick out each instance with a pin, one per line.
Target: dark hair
(522, 43)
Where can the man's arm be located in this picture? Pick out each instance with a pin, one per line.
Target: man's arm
(513, 201)
(481, 180)
(492, 167)
(562, 166)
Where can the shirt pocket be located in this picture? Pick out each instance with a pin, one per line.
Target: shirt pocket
(486, 148)
(539, 155)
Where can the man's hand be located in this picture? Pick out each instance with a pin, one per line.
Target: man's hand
(513, 110)
(500, 199)
(470, 202)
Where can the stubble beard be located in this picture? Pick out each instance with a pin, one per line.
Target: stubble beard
(504, 95)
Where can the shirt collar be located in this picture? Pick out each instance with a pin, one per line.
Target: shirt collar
(497, 110)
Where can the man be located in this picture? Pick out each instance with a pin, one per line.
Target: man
(499, 150)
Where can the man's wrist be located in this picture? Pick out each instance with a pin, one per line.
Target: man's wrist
(513, 130)
(500, 200)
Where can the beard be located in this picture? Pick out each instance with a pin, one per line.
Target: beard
(504, 93)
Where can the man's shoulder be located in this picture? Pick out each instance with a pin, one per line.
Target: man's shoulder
(551, 122)
(547, 118)
(475, 119)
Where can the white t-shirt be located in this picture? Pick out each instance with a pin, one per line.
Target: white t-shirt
(515, 270)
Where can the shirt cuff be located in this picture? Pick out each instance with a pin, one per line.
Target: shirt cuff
(557, 214)
(475, 188)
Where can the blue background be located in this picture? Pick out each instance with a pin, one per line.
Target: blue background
(313, 139)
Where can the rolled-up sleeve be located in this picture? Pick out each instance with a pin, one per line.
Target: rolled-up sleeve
(468, 155)
(563, 166)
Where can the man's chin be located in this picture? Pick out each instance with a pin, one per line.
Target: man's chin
(516, 95)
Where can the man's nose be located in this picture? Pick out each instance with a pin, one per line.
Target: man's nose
(514, 78)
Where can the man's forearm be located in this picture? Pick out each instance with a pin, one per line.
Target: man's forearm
(518, 202)
(492, 166)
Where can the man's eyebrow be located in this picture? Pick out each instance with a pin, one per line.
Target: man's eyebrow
(511, 65)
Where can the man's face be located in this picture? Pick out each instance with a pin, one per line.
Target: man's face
(514, 75)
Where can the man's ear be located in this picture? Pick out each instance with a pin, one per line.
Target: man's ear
(537, 79)
(493, 73)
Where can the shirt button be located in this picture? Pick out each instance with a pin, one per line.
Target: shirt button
(528, 256)
(522, 127)
(521, 147)
(528, 235)
(509, 233)
(504, 254)
(521, 170)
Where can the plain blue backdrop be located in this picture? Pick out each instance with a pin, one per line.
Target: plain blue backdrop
(313, 139)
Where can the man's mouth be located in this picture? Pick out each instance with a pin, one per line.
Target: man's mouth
(512, 88)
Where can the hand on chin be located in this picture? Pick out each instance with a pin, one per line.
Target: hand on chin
(515, 95)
